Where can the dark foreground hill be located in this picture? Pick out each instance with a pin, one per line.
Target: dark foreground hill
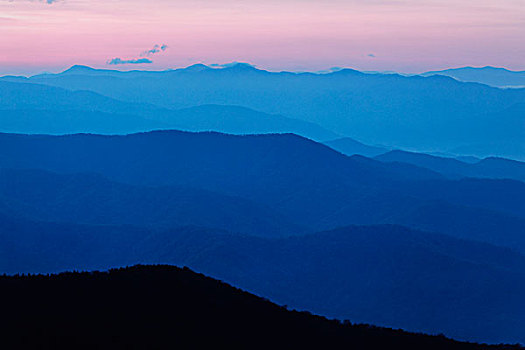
(163, 307)
(384, 275)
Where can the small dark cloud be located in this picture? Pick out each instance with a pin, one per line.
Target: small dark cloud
(117, 61)
(371, 55)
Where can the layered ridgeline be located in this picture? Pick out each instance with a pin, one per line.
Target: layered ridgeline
(93, 199)
(454, 168)
(250, 206)
(420, 113)
(163, 307)
(310, 185)
(38, 109)
(494, 76)
(383, 275)
(351, 147)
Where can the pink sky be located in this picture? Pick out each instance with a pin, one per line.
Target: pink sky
(403, 35)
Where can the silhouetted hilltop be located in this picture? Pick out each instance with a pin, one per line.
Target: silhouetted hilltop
(158, 307)
(385, 275)
(78, 69)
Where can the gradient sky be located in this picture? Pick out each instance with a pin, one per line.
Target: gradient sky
(401, 35)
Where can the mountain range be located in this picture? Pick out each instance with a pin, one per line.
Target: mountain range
(385, 275)
(493, 76)
(274, 214)
(310, 184)
(383, 199)
(351, 147)
(38, 109)
(491, 167)
(411, 112)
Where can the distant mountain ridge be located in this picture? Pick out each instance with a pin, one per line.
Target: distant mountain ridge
(491, 167)
(494, 76)
(27, 108)
(412, 112)
(350, 147)
(40, 109)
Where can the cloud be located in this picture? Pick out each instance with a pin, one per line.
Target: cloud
(144, 60)
(117, 61)
(371, 55)
(154, 50)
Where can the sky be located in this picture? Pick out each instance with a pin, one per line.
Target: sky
(408, 36)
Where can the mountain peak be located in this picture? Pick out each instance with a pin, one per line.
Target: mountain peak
(348, 71)
(198, 67)
(78, 69)
(240, 67)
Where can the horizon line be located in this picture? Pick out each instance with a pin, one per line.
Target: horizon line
(235, 64)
